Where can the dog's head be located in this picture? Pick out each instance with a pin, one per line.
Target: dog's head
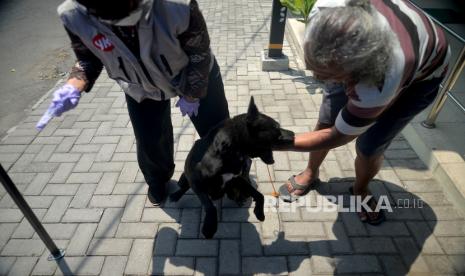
(263, 133)
(252, 134)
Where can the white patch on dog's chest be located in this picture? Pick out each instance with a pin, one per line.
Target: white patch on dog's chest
(227, 177)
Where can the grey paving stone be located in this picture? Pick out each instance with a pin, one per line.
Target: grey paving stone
(458, 263)
(441, 213)
(357, 264)
(84, 178)
(108, 224)
(5, 264)
(83, 215)
(140, 257)
(88, 265)
(228, 231)
(6, 230)
(373, 245)
(66, 144)
(64, 157)
(201, 247)
(161, 215)
(57, 209)
(388, 228)
(105, 153)
(114, 265)
(39, 202)
(191, 215)
(10, 215)
(23, 266)
(105, 140)
(299, 265)
(106, 167)
(439, 264)
(60, 189)
(125, 143)
(172, 266)
(411, 255)
(321, 258)
(112, 247)
(265, 265)
(134, 208)
(393, 265)
(137, 230)
(448, 228)
(165, 240)
(83, 196)
(84, 164)
(86, 136)
(23, 247)
(229, 257)
(107, 183)
(44, 266)
(129, 172)
(56, 231)
(62, 173)
(205, 266)
(353, 224)
(38, 183)
(108, 201)
(250, 239)
(24, 229)
(424, 237)
(81, 239)
(304, 229)
(281, 246)
(138, 188)
(338, 239)
(452, 245)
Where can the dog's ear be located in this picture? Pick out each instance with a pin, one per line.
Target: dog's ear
(252, 112)
(212, 162)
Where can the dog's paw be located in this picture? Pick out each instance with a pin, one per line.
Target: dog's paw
(210, 226)
(176, 196)
(259, 214)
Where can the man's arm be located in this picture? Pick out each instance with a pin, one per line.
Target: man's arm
(87, 68)
(195, 41)
(323, 139)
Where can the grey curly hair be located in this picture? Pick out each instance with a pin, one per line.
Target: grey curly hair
(351, 40)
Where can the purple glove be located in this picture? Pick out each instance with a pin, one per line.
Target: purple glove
(64, 98)
(189, 108)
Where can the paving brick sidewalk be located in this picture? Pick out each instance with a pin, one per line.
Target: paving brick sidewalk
(81, 178)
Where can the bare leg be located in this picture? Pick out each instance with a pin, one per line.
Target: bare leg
(311, 172)
(365, 170)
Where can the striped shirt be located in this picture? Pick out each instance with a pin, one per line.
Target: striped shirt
(419, 52)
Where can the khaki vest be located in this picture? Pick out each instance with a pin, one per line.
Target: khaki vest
(161, 55)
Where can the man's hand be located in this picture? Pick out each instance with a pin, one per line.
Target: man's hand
(64, 98)
(188, 105)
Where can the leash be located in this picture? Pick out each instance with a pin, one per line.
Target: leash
(275, 194)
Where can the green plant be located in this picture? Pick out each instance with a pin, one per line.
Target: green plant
(300, 8)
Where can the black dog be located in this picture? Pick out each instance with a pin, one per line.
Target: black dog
(219, 163)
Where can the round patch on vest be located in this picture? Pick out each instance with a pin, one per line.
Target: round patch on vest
(103, 43)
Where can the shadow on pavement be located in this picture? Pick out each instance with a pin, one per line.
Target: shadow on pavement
(353, 247)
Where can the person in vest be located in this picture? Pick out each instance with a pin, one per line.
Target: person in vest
(383, 61)
(155, 50)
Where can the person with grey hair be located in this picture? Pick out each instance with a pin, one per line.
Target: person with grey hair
(383, 62)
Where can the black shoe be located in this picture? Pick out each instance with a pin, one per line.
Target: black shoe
(156, 194)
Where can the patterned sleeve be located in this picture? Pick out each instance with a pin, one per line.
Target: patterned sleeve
(87, 66)
(195, 42)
